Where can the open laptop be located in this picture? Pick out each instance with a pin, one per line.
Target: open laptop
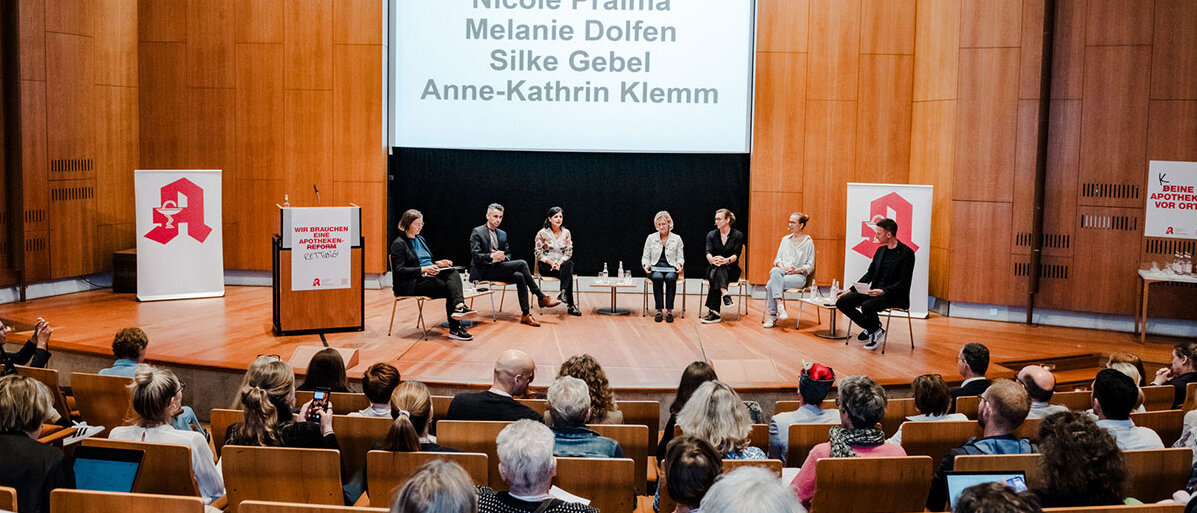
(106, 469)
(957, 481)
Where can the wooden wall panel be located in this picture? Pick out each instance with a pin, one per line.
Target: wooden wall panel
(34, 162)
(1068, 52)
(259, 21)
(210, 60)
(1172, 130)
(70, 97)
(257, 219)
(980, 269)
(70, 16)
(990, 23)
(887, 26)
(359, 152)
(777, 156)
(1113, 145)
(72, 228)
(1119, 22)
(308, 42)
(358, 22)
(162, 20)
(770, 212)
(939, 272)
(308, 153)
(212, 139)
(111, 238)
(115, 42)
(116, 154)
(829, 259)
(782, 25)
(32, 22)
(1174, 50)
(932, 160)
(834, 47)
(1060, 188)
(936, 55)
(260, 116)
(830, 157)
(987, 124)
(372, 197)
(883, 119)
(1110, 250)
(162, 76)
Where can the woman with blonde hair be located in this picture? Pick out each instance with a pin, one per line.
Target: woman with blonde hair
(267, 396)
(31, 467)
(792, 267)
(603, 409)
(411, 407)
(663, 260)
(716, 414)
(157, 396)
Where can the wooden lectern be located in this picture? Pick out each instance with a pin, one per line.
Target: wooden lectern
(298, 312)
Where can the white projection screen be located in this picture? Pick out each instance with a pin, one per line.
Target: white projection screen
(660, 76)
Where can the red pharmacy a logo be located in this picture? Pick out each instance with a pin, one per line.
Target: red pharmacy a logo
(169, 213)
(880, 208)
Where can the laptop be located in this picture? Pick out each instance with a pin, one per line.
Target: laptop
(957, 481)
(106, 469)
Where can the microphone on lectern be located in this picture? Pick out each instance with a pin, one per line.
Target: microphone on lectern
(317, 193)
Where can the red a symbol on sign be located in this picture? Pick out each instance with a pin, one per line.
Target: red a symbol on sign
(169, 214)
(1169, 232)
(879, 209)
(316, 282)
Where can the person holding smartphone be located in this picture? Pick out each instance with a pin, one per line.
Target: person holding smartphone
(415, 273)
(267, 395)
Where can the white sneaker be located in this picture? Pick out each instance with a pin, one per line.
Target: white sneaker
(875, 339)
(781, 311)
(769, 322)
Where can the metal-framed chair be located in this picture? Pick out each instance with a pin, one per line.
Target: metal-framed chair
(648, 283)
(889, 315)
(741, 284)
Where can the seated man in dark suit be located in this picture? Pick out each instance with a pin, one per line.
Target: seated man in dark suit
(1004, 405)
(415, 273)
(514, 371)
(490, 259)
(888, 277)
(972, 363)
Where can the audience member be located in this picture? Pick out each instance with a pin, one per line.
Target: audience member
(1040, 385)
(813, 385)
(526, 463)
(749, 490)
(1188, 438)
(129, 348)
(862, 405)
(691, 467)
(694, 375)
(411, 408)
(1132, 359)
(932, 400)
(514, 371)
(157, 395)
(326, 369)
(569, 407)
(603, 409)
(378, 383)
(1003, 408)
(267, 398)
(35, 352)
(1133, 373)
(33, 468)
(716, 414)
(994, 497)
(972, 363)
(437, 487)
(1114, 395)
(1181, 372)
(1066, 482)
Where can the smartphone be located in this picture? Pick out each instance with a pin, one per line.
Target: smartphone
(319, 401)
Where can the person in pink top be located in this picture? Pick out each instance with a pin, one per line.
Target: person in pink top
(862, 404)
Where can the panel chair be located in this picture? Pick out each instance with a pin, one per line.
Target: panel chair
(343, 403)
(934, 439)
(889, 315)
(607, 482)
(1166, 423)
(808, 291)
(386, 471)
(540, 283)
(74, 501)
(165, 468)
(1152, 475)
(742, 286)
(49, 377)
(645, 292)
(270, 474)
(894, 484)
(290, 507)
(8, 498)
(421, 300)
(103, 400)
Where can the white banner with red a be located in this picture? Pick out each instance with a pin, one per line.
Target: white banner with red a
(180, 242)
(910, 207)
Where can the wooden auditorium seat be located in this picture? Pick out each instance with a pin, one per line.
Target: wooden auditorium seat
(440, 407)
(103, 400)
(1028, 463)
(1158, 397)
(1152, 475)
(219, 421)
(643, 413)
(308, 476)
(1079, 400)
(896, 411)
(967, 404)
(8, 498)
(289, 507)
(165, 468)
(633, 440)
(475, 436)
(773, 466)
(388, 470)
(49, 377)
(934, 439)
(786, 406)
(356, 435)
(803, 438)
(1142, 508)
(538, 405)
(343, 403)
(75, 501)
(1190, 399)
(607, 482)
(1166, 423)
(1029, 429)
(893, 484)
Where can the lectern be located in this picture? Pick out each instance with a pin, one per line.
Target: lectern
(309, 307)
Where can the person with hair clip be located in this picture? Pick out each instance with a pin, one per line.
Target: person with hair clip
(663, 259)
(437, 487)
(888, 277)
(411, 409)
(1181, 372)
(792, 267)
(157, 396)
(34, 469)
(326, 369)
(723, 246)
(267, 396)
(554, 247)
(1099, 481)
(415, 273)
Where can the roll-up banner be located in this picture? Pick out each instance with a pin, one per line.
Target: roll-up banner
(1171, 200)
(180, 240)
(910, 207)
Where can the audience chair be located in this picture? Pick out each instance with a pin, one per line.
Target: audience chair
(1028, 463)
(646, 292)
(538, 405)
(343, 403)
(53, 434)
(889, 315)
(892, 484)
(103, 400)
(388, 470)
(1190, 399)
(643, 413)
(74, 501)
(786, 406)
(288, 507)
(773, 466)
(356, 435)
(968, 405)
(165, 468)
(1029, 429)
(934, 439)
(8, 498)
(633, 440)
(49, 377)
(1152, 475)
(803, 438)
(1166, 423)
(440, 408)
(1079, 400)
(607, 482)
(896, 411)
(309, 476)
(219, 421)
(1158, 397)
(476, 436)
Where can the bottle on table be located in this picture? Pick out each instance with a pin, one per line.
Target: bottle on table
(621, 274)
(603, 273)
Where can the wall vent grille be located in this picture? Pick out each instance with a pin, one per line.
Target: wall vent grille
(35, 245)
(35, 215)
(72, 165)
(1050, 240)
(1051, 271)
(1169, 246)
(72, 193)
(1110, 190)
(1120, 223)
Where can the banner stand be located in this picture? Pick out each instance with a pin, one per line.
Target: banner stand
(910, 207)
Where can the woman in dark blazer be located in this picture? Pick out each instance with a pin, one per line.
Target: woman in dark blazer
(415, 273)
(724, 244)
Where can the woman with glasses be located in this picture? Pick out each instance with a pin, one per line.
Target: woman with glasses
(793, 265)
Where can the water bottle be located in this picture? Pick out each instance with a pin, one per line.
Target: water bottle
(1188, 263)
(603, 274)
(835, 288)
(1176, 265)
(286, 200)
(465, 281)
(621, 275)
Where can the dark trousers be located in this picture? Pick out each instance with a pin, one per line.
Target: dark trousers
(517, 272)
(446, 284)
(664, 288)
(566, 274)
(862, 309)
(718, 277)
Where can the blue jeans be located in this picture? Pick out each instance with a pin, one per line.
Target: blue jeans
(664, 288)
(187, 421)
(779, 281)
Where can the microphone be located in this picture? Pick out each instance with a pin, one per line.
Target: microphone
(317, 193)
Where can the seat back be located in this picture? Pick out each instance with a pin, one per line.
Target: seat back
(308, 476)
(1158, 397)
(773, 466)
(165, 468)
(8, 498)
(607, 482)
(287, 507)
(48, 377)
(1079, 400)
(356, 435)
(934, 439)
(643, 413)
(803, 438)
(386, 471)
(633, 440)
(73, 501)
(967, 405)
(1166, 423)
(440, 407)
(896, 411)
(785, 406)
(1028, 463)
(1152, 475)
(219, 421)
(539, 405)
(103, 400)
(1029, 429)
(343, 403)
(1190, 399)
(893, 484)
(475, 436)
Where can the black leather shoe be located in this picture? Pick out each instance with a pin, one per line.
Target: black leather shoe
(658, 317)
(668, 317)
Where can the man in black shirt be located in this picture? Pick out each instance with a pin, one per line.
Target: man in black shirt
(889, 285)
(514, 371)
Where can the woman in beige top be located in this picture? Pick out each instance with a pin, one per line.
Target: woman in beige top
(554, 247)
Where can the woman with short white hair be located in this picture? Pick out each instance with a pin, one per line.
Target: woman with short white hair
(716, 414)
(569, 408)
(526, 463)
(663, 260)
(438, 487)
(749, 490)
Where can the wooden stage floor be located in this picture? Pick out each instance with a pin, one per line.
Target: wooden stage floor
(638, 354)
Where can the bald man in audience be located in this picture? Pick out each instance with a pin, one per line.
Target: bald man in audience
(1040, 385)
(1114, 396)
(1003, 407)
(514, 371)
